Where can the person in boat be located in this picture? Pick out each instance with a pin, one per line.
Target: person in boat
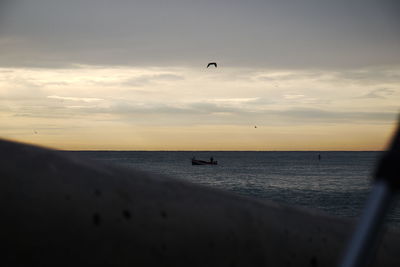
(211, 159)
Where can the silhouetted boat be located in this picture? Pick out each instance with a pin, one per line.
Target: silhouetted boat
(212, 64)
(203, 162)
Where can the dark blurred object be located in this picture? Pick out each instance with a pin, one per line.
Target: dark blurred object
(389, 166)
(361, 248)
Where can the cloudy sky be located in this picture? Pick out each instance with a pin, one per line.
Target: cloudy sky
(131, 75)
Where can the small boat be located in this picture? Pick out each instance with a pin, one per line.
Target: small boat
(203, 162)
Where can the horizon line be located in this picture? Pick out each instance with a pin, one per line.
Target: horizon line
(124, 150)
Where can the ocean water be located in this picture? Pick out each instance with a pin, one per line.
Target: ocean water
(337, 184)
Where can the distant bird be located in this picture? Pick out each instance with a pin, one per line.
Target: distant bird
(212, 64)
(255, 126)
(34, 131)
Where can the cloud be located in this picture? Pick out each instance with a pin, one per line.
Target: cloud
(161, 109)
(146, 79)
(292, 96)
(326, 116)
(185, 113)
(20, 89)
(189, 96)
(235, 100)
(290, 75)
(379, 93)
(369, 76)
(83, 99)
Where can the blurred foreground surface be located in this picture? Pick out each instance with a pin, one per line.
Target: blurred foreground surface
(59, 208)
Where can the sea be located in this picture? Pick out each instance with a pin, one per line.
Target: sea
(337, 183)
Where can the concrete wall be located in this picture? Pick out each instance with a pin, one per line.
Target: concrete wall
(59, 209)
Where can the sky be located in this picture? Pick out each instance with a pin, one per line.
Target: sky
(131, 75)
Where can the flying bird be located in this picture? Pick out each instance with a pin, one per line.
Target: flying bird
(212, 64)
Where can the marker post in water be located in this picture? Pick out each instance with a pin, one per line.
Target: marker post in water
(360, 249)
